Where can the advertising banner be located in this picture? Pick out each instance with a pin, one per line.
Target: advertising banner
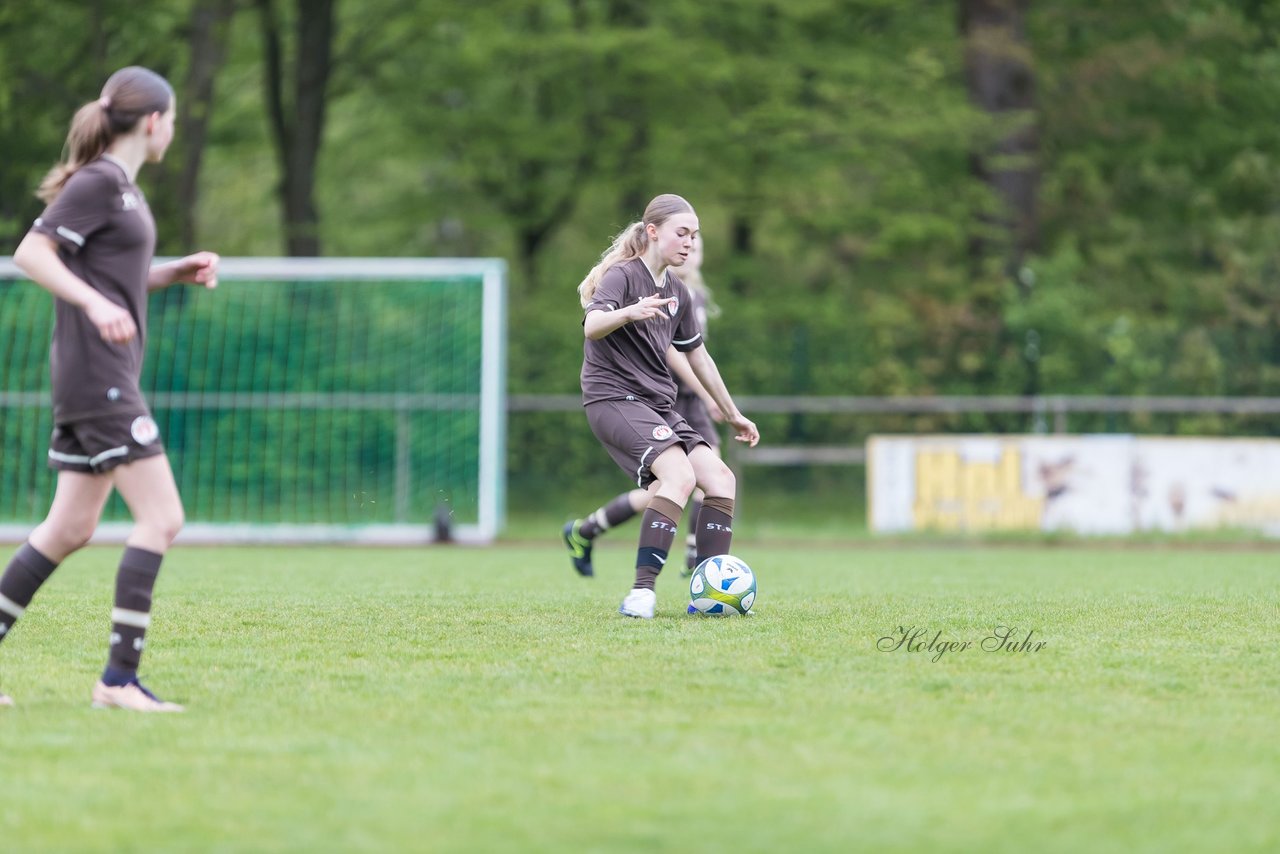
(1085, 484)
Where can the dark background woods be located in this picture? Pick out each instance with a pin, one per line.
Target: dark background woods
(978, 196)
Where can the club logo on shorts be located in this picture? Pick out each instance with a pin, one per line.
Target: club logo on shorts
(144, 430)
(113, 393)
(129, 201)
(661, 432)
(673, 305)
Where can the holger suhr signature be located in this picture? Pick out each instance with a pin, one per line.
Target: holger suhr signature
(918, 639)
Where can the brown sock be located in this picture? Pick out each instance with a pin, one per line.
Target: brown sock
(135, 582)
(715, 527)
(657, 533)
(21, 579)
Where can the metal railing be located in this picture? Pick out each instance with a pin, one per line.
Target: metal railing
(1059, 405)
(1044, 409)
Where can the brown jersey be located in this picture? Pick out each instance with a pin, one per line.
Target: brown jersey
(106, 236)
(630, 363)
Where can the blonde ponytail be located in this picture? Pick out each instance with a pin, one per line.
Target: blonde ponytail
(629, 243)
(693, 281)
(691, 275)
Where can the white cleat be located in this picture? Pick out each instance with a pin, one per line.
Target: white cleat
(6, 700)
(132, 696)
(639, 603)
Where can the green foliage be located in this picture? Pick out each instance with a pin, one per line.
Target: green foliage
(827, 146)
(1162, 160)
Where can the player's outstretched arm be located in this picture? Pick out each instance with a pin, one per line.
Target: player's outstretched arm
(705, 369)
(679, 364)
(198, 269)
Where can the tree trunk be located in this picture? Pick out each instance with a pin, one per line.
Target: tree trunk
(210, 21)
(537, 217)
(1001, 80)
(742, 239)
(297, 125)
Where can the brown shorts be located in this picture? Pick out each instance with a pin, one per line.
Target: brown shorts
(699, 417)
(634, 435)
(99, 445)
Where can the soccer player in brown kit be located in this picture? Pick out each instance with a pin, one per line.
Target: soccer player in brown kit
(693, 403)
(92, 249)
(636, 309)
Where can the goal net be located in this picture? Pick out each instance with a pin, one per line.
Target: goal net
(304, 400)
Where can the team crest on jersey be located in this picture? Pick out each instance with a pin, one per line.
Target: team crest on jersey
(673, 305)
(662, 431)
(144, 430)
(130, 201)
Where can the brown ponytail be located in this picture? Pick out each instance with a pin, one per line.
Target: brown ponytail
(128, 96)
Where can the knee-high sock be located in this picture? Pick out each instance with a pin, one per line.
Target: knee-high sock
(657, 533)
(715, 527)
(132, 613)
(27, 570)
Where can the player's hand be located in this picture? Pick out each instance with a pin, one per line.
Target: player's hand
(113, 323)
(647, 308)
(200, 269)
(746, 428)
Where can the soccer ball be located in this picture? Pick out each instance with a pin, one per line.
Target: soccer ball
(722, 586)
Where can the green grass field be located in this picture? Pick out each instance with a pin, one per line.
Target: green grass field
(489, 700)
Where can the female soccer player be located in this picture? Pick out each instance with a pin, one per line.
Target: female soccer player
(693, 403)
(92, 249)
(636, 310)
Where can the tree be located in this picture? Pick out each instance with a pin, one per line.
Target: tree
(207, 42)
(515, 111)
(50, 65)
(296, 99)
(1000, 75)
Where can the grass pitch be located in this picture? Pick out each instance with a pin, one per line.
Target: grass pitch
(489, 700)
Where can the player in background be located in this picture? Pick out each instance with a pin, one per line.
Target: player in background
(693, 402)
(92, 248)
(636, 310)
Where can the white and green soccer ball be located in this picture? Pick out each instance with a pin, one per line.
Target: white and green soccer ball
(722, 586)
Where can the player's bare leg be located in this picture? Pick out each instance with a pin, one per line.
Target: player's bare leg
(148, 488)
(714, 525)
(675, 479)
(77, 505)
